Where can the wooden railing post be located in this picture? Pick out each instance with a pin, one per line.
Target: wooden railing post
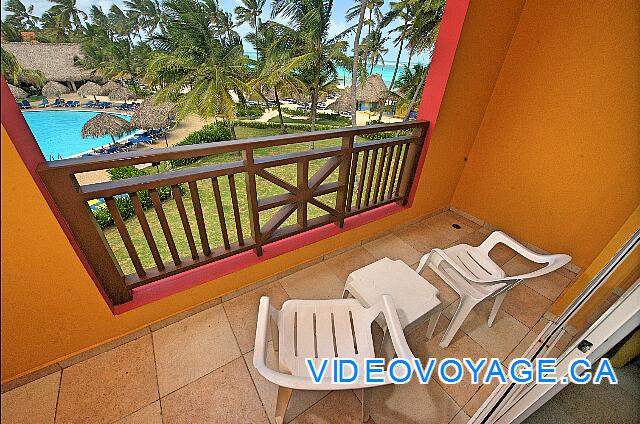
(343, 178)
(252, 199)
(64, 190)
(303, 186)
(410, 163)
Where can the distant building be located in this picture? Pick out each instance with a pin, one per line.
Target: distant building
(370, 95)
(28, 36)
(57, 61)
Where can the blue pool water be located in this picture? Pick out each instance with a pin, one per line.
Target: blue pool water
(58, 132)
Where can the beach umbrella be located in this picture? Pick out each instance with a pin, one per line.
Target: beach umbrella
(90, 89)
(122, 94)
(17, 92)
(153, 115)
(54, 89)
(105, 124)
(342, 103)
(110, 86)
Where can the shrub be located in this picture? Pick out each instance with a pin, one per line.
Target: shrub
(251, 112)
(319, 115)
(123, 202)
(210, 133)
(264, 125)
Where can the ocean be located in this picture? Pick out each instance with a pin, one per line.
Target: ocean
(344, 75)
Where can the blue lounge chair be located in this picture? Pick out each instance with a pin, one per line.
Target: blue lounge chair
(44, 103)
(103, 105)
(75, 103)
(25, 104)
(90, 103)
(58, 103)
(68, 104)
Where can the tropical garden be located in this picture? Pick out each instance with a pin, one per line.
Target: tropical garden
(190, 52)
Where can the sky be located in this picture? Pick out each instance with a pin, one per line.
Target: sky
(338, 22)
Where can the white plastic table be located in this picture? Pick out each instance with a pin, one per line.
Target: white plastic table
(416, 300)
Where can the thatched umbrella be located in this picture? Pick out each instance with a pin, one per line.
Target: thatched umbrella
(17, 92)
(153, 115)
(373, 89)
(54, 89)
(110, 86)
(342, 103)
(90, 89)
(105, 124)
(122, 94)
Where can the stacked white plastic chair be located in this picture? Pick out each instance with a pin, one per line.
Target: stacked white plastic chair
(474, 276)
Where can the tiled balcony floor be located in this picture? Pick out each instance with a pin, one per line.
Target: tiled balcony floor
(199, 369)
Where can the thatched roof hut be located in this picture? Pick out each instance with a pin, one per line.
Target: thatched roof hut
(122, 94)
(105, 124)
(110, 86)
(54, 89)
(90, 89)
(17, 92)
(373, 89)
(152, 115)
(57, 61)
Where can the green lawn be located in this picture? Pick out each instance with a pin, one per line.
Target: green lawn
(265, 189)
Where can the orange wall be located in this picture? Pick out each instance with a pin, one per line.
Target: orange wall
(623, 277)
(556, 160)
(50, 307)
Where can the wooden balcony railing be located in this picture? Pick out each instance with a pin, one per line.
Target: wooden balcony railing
(354, 175)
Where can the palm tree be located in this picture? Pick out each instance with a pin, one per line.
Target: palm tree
(356, 61)
(68, 13)
(374, 18)
(250, 13)
(21, 16)
(402, 10)
(197, 64)
(423, 36)
(121, 24)
(319, 54)
(410, 84)
(277, 68)
(146, 14)
(375, 45)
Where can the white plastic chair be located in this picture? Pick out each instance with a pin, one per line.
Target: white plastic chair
(320, 329)
(474, 276)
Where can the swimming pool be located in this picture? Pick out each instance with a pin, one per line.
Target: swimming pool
(57, 132)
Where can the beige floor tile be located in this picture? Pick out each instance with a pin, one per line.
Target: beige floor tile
(412, 403)
(193, 347)
(525, 304)
(417, 339)
(447, 223)
(460, 418)
(226, 395)
(314, 282)
(550, 285)
(393, 247)
(150, 414)
(501, 338)
(242, 312)
(479, 397)
(33, 403)
(340, 406)
(344, 264)
(109, 386)
(301, 400)
(462, 346)
(423, 237)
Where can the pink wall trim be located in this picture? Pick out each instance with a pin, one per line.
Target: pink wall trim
(434, 90)
(443, 55)
(28, 149)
